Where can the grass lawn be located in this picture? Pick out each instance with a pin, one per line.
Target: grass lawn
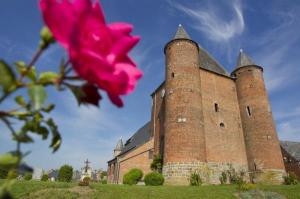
(20, 189)
(181, 192)
(36, 189)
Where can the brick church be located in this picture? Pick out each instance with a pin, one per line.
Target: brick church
(204, 120)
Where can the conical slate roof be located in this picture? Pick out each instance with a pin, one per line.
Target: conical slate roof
(243, 60)
(119, 145)
(206, 60)
(181, 33)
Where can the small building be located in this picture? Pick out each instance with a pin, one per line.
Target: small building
(291, 156)
(76, 175)
(37, 173)
(86, 171)
(53, 175)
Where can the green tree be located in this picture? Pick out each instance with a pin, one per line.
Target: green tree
(44, 177)
(65, 173)
(103, 173)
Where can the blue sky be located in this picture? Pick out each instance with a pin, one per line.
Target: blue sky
(268, 31)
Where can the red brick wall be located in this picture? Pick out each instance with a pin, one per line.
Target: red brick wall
(138, 158)
(223, 144)
(184, 140)
(157, 119)
(262, 145)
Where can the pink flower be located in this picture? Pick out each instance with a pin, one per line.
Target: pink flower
(97, 51)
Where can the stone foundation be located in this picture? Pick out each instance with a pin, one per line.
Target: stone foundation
(268, 176)
(179, 173)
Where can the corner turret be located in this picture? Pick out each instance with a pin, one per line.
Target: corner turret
(118, 148)
(262, 144)
(184, 140)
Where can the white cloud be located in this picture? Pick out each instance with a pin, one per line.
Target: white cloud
(289, 131)
(275, 50)
(208, 20)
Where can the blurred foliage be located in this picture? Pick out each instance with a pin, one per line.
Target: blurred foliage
(31, 113)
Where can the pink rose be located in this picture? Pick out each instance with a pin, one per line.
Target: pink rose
(97, 51)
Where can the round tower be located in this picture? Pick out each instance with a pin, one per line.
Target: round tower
(184, 147)
(262, 145)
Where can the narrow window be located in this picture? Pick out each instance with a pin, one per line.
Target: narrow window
(216, 107)
(222, 125)
(249, 111)
(254, 166)
(173, 75)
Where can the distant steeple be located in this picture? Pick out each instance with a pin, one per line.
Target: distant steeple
(243, 60)
(119, 145)
(181, 33)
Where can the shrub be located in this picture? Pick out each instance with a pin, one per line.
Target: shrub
(103, 181)
(223, 178)
(44, 177)
(28, 176)
(290, 179)
(195, 179)
(133, 176)
(85, 181)
(247, 187)
(154, 179)
(65, 173)
(12, 174)
(3, 173)
(156, 164)
(236, 178)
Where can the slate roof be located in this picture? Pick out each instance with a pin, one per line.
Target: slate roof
(243, 60)
(206, 60)
(181, 33)
(142, 136)
(293, 148)
(209, 63)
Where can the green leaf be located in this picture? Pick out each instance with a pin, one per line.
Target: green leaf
(48, 77)
(22, 137)
(49, 108)
(7, 77)
(21, 66)
(38, 95)
(56, 142)
(56, 138)
(20, 100)
(8, 160)
(77, 92)
(20, 114)
(43, 131)
(32, 74)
